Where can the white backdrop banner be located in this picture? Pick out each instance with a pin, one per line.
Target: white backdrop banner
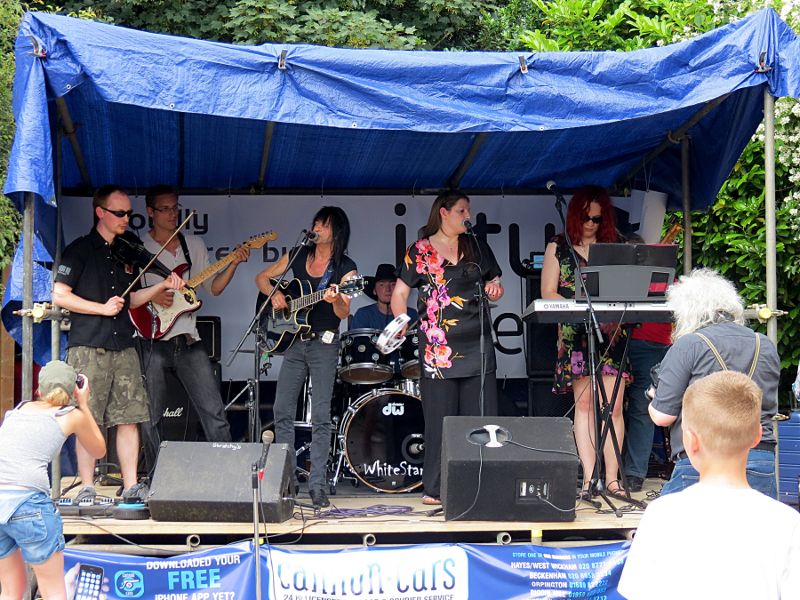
(516, 227)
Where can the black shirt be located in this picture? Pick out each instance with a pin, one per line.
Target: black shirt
(448, 310)
(93, 274)
(321, 317)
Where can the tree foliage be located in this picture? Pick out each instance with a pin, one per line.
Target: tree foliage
(10, 16)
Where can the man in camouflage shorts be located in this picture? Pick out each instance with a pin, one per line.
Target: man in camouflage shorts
(90, 283)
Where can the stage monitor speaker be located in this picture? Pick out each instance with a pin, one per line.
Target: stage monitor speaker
(212, 481)
(210, 330)
(509, 469)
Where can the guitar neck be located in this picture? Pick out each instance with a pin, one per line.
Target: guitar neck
(307, 300)
(209, 271)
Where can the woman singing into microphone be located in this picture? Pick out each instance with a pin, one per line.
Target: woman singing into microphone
(452, 270)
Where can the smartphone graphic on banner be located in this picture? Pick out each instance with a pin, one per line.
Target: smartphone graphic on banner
(90, 579)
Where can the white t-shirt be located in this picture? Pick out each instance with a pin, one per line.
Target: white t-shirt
(186, 323)
(710, 541)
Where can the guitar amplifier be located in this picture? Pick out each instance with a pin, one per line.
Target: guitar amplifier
(210, 330)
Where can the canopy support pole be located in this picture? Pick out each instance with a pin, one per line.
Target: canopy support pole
(26, 393)
(262, 170)
(769, 211)
(454, 181)
(674, 137)
(55, 324)
(69, 130)
(687, 206)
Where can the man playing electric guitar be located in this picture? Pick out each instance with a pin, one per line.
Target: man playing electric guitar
(178, 350)
(316, 352)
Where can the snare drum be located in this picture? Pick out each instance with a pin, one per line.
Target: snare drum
(383, 440)
(409, 356)
(361, 362)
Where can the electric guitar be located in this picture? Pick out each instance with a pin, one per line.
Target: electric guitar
(154, 321)
(280, 328)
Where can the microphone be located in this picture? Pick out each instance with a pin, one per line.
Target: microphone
(552, 187)
(267, 437)
(468, 227)
(311, 237)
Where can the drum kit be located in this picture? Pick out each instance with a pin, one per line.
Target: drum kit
(377, 414)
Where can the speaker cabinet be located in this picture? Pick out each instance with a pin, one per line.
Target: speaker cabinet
(210, 331)
(543, 402)
(212, 481)
(526, 470)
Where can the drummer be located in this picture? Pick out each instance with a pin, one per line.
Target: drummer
(378, 315)
(379, 288)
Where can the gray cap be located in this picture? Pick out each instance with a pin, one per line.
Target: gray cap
(57, 374)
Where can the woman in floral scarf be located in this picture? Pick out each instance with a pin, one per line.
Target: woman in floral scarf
(449, 268)
(590, 219)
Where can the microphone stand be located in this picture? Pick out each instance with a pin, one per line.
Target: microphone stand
(254, 327)
(483, 305)
(594, 336)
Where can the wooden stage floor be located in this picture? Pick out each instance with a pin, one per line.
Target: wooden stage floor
(392, 519)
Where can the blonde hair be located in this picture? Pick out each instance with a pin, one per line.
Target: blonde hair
(703, 298)
(57, 397)
(724, 410)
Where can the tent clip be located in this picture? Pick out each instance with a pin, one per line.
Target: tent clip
(523, 65)
(282, 60)
(673, 139)
(39, 51)
(762, 64)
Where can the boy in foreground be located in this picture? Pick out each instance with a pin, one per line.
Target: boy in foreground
(718, 538)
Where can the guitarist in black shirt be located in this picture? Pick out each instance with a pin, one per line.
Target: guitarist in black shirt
(316, 351)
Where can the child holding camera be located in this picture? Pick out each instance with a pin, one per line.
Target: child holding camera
(30, 436)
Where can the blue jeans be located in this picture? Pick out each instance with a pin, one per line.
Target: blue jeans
(319, 360)
(638, 425)
(760, 474)
(192, 367)
(36, 528)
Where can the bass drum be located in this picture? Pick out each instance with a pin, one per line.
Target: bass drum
(383, 440)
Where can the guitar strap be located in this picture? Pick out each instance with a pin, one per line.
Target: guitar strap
(326, 276)
(185, 249)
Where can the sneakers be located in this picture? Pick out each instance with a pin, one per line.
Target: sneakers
(86, 495)
(136, 494)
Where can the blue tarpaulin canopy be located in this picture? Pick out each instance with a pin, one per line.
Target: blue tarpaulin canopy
(281, 118)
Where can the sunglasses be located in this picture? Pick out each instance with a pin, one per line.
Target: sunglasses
(596, 219)
(168, 209)
(118, 213)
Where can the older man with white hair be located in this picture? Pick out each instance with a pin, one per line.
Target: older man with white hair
(710, 336)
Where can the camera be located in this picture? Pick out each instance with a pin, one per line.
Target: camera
(655, 372)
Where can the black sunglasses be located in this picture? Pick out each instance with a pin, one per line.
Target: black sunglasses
(596, 219)
(118, 213)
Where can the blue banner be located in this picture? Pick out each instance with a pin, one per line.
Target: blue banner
(422, 572)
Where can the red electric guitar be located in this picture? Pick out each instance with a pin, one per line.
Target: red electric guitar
(153, 321)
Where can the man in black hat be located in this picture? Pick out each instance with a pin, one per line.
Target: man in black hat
(379, 288)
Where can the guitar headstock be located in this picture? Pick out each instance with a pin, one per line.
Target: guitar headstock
(257, 241)
(352, 286)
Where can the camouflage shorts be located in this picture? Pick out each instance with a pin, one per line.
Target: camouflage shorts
(115, 381)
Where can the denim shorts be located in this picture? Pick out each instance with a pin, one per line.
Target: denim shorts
(35, 528)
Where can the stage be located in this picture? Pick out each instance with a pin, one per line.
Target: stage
(392, 519)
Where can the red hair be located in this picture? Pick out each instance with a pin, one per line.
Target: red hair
(579, 206)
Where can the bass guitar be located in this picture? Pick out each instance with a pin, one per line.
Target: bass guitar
(280, 328)
(154, 321)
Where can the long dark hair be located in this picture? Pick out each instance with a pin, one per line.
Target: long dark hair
(579, 206)
(447, 200)
(340, 229)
